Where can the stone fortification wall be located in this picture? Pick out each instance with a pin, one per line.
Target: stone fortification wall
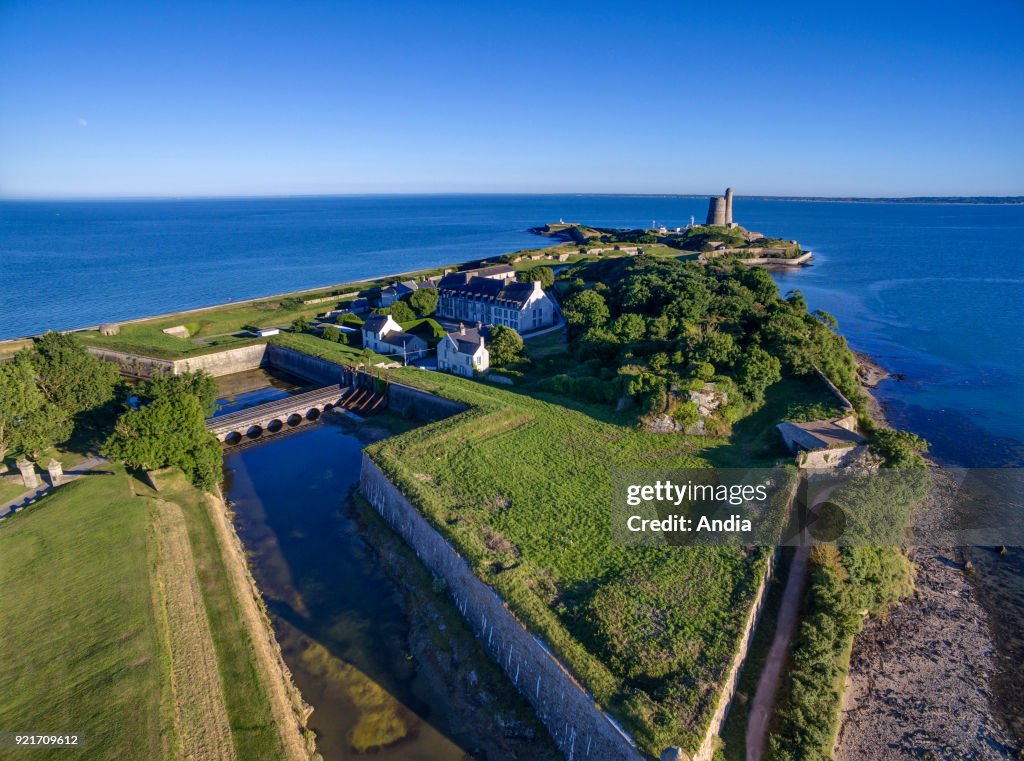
(134, 365)
(579, 727)
(225, 362)
(412, 402)
(219, 363)
(732, 679)
(310, 368)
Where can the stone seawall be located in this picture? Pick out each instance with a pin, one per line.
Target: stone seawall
(577, 724)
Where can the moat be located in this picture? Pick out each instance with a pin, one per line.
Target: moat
(373, 669)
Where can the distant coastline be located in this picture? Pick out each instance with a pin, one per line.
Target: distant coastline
(958, 200)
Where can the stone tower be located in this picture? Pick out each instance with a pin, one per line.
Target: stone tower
(716, 211)
(720, 210)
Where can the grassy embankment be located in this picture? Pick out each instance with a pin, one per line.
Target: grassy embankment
(119, 622)
(520, 483)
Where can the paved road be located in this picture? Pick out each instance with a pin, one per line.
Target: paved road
(31, 495)
(767, 686)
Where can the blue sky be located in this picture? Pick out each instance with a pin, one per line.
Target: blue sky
(131, 99)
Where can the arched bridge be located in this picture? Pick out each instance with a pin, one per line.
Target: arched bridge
(282, 414)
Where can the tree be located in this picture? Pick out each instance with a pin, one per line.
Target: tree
(586, 309)
(169, 431)
(424, 301)
(28, 422)
(757, 371)
(629, 327)
(332, 333)
(300, 325)
(505, 346)
(545, 275)
(401, 311)
(199, 383)
(70, 377)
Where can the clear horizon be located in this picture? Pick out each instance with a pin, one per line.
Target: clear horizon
(114, 101)
(1013, 199)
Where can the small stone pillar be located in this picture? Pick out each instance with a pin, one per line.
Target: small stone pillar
(28, 473)
(56, 471)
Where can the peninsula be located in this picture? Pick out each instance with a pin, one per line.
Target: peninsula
(512, 387)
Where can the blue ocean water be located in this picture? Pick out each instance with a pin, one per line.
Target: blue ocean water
(931, 291)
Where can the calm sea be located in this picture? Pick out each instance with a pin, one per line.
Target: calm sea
(934, 292)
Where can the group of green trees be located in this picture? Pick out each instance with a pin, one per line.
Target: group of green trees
(419, 303)
(165, 427)
(50, 391)
(57, 390)
(647, 324)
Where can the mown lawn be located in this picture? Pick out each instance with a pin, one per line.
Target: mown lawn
(521, 483)
(80, 633)
(80, 642)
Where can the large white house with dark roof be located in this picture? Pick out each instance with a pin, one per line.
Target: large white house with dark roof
(490, 301)
(464, 352)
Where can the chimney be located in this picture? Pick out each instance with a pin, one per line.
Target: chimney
(462, 329)
(537, 286)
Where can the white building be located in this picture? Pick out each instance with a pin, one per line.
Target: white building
(463, 352)
(385, 336)
(521, 306)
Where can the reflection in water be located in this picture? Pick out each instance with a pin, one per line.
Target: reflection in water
(252, 387)
(338, 618)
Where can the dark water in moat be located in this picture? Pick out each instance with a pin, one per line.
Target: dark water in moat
(339, 619)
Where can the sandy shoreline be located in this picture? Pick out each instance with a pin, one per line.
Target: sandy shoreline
(922, 679)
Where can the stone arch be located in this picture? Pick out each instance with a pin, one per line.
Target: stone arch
(254, 431)
(294, 419)
(274, 425)
(233, 438)
(313, 413)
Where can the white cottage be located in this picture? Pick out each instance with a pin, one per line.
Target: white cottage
(463, 352)
(385, 336)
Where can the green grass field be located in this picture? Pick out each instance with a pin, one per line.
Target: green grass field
(521, 484)
(85, 648)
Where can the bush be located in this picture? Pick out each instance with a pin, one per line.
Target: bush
(505, 346)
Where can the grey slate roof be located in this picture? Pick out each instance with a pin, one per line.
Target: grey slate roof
(406, 341)
(482, 289)
(375, 323)
(469, 342)
(465, 276)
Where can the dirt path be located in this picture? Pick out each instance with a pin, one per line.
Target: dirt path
(200, 713)
(285, 701)
(762, 705)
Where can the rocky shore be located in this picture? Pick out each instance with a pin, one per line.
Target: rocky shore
(921, 679)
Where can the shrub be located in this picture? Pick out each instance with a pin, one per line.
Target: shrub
(505, 346)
